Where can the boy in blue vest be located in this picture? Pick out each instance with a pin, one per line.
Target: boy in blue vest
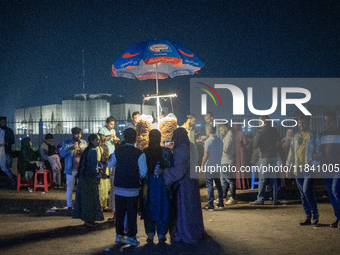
(130, 164)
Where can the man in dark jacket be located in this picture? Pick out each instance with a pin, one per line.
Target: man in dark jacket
(6, 142)
(267, 140)
(134, 118)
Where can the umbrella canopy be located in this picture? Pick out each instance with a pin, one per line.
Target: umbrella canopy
(156, 59)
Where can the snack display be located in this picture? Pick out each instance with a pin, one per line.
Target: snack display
(143, 127)
(143, 124)
(167, 126)
(142, 142)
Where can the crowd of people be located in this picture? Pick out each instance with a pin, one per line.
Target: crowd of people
(305, 153)
(114, 175)
(154, 183)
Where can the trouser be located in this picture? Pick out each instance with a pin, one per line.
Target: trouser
(70, 180)
(126, 206)
(265, 177)
(56, 176)
(228, 183)
(5, 169)
(305, 186)
(209, 183)
(29, 175)
(150, 228)
(333, 189)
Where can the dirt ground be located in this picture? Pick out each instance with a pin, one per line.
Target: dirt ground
(27, 228)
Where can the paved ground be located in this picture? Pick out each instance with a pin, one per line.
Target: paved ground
(26, 228)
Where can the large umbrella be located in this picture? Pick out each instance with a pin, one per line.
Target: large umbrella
(156, 59)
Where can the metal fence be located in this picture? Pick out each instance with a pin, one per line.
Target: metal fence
(60, 129)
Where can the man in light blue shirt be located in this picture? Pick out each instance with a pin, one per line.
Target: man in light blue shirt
(213, 147)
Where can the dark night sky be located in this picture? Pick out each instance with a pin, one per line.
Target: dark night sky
(41, 38)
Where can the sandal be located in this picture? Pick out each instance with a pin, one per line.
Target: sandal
(90, 224)
(105, 209)
(111, 219)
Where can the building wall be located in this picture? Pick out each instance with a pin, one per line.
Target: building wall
(27, 119)
(36, 112)
(73, 109)
(87, 111)
(97, 109)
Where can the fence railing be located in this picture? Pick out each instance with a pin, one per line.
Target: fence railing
(60, 129)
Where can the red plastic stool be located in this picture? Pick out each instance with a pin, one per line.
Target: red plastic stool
(28, 183)
(46, 183)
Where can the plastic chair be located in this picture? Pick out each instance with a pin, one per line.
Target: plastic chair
(28, 183)
(47, 182)
(253, 182)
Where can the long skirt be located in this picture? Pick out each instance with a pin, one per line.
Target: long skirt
(104, 188)
(156, 206)
(87, 206)
(189, 226)
(112, 202)
(241, 181)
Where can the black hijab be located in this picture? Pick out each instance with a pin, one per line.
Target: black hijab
(180, 136)
(153, 152)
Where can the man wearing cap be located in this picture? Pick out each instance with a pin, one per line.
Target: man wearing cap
(71, 150)
(6, 141)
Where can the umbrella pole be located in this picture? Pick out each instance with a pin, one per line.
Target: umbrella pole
(157, 97)
(157, 78)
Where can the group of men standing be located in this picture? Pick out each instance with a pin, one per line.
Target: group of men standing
(307, 151)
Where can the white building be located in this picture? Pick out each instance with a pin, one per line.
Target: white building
(27, 119)
(87, 111)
